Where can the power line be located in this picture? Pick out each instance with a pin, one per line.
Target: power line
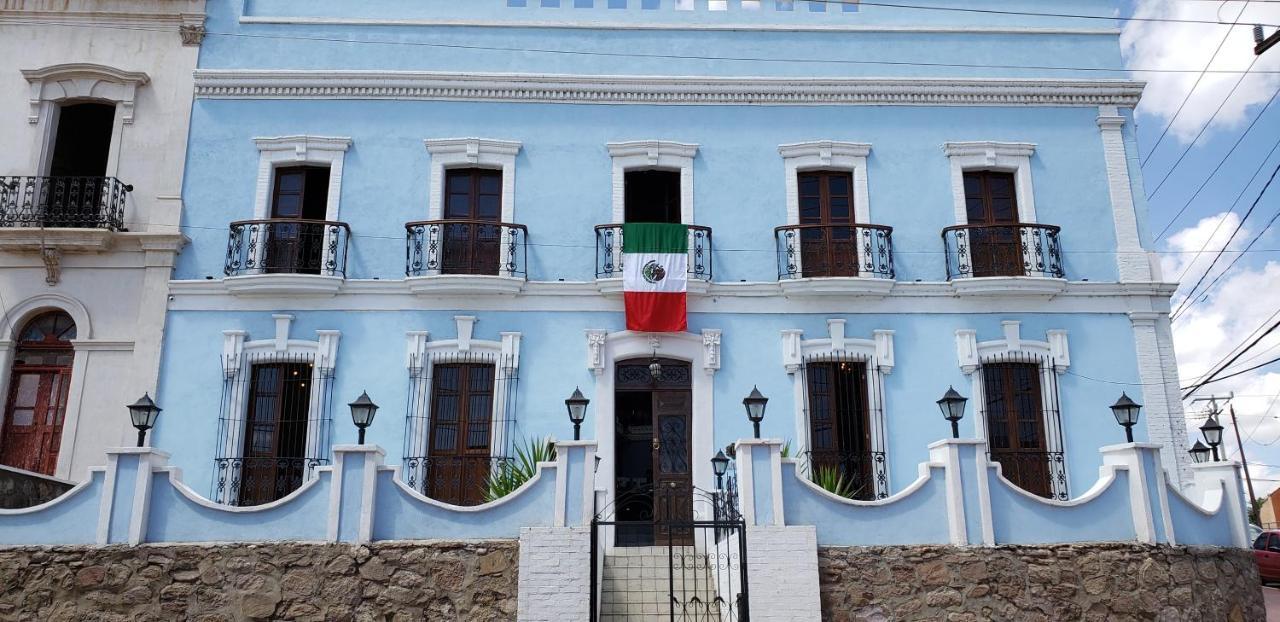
(1217, 369)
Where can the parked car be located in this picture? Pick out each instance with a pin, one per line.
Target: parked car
(1266, 551)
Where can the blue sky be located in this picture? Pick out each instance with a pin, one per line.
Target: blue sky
(1247, 295)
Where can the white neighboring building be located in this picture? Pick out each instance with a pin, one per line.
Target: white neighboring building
(95, 99)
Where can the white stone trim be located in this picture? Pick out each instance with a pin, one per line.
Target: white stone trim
(1132, 262)
(647, 155)
(829, 155)
(606, 348)
(659, 90)
(447, 153)
(992, 156)
(422, 354)
(71, 81)
(876, 352)
(1161, 394)
(294, 151)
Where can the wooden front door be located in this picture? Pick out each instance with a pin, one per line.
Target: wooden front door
(31, 431)
(828, 244)
(653, 477)
(995, 247)
(275, 443)
(295, 240)
(473, 202)
(459, 460)
(673, 477)
(1016, 426)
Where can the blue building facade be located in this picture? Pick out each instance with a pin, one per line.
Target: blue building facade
(422, 201)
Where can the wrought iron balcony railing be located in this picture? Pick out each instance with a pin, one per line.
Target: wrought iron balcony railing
(63, 202)
(255, 481)
(858, 475)
(609, 252)
(477, 247)
(460, 480)
(1002, 250)
(1042, 473)
(815, 251)
(284, 246)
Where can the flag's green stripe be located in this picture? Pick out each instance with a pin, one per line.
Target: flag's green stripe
(645, 237)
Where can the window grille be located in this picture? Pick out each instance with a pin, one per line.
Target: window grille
(845, 424)
(1023, 423)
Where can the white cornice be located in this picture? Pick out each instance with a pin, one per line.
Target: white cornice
(652, 149)
(103, 18)
(825, 149)
(686, 90)
(472, 146)
(302, 144)
(989, 149)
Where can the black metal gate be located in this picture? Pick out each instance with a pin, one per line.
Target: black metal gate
(683, 560)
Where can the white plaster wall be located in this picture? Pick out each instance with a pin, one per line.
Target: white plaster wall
(555, 574)
(782, 573)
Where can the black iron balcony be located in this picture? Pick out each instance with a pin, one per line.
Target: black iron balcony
(1042, 473)
(63, 202)
(460, 480)
(816, 251)
(857, 475)
(255, 481)
(284, 246)
(1002, 250)
(609, 252)
(475, 247)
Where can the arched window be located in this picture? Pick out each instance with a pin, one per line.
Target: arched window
(31, 432)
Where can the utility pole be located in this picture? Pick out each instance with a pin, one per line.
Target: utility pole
(1261, 43)
(1231, 410)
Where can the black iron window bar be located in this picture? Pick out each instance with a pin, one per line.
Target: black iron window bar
(853, 448)
(274, 427)
(477, 247)
(609, 252)
(864, 473)
(286, 246)
(63, 202)
(1003, 250)
(1036, 460)
(816, 251)
(449, 477)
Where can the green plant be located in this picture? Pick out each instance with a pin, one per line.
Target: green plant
(786, 449)
(832, 480)
(514, 472)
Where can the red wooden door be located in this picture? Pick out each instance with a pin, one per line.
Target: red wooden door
(459, 461)
(31, 431)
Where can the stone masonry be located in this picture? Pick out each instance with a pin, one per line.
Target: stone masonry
(1093, 582)
(382, 582)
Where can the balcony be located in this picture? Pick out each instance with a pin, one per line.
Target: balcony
(67, 213)
(465, 257)
(835, 259)
(285, 256)
(1014, 259)
(609, 258)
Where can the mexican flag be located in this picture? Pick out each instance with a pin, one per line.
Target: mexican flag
(655, 276)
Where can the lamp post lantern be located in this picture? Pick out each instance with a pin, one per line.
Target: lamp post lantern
(362, 412)
(720, 465)
(755, 404)
(144, 413)
(1126, 412)
(1212, 431)
(1199, 453)
(577, 407)
(952, 407)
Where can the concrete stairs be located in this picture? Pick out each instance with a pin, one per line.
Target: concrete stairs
(637, 585)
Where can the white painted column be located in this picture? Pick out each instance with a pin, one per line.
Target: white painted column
(351, 495)
(759, 469)
(575, 483)
(128, 471)
(1131, 259)
(964, 461)
(1161, 398)
(1152, 522)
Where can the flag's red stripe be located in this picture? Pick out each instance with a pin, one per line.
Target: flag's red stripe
(656, 312)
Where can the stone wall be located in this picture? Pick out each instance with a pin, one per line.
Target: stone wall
(22, 489)
(382, 582)
(1039, 583)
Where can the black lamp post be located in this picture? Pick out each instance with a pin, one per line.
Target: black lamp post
(362, 412)
(755, 404)
(1212, 431)
(720, 464)
(952, 407)
(577, 406)
(144, 413)
(1199, 453)
(1126, 412)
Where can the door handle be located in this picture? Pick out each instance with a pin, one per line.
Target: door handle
(656, 444)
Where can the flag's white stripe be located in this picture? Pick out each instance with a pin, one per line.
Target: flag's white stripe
(676, 266)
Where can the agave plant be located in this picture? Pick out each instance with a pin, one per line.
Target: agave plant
(832, 480)
(512, 473)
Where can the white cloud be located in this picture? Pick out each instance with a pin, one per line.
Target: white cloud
(1160, 45)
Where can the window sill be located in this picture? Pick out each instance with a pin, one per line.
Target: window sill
(283, 285)
(613, 285)
(1009, 286)
(838, 286)
(33, 239)
(465, 284)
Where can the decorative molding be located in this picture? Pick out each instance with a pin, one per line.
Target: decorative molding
(52, 259)
(284, 285)
(970, 353)
(987, 155)
(449, 153)
(849, 286)
(192, 28)
(649, 154)
(1009, 286)
(711, 343)
(465, 285)
(829, 155)
(1132, 263)
(652, 90)
(57, 83)
(111, 19)
(796, 350)
(595, 350)
(299, 149)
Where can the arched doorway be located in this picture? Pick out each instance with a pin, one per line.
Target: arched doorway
(31, 432)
